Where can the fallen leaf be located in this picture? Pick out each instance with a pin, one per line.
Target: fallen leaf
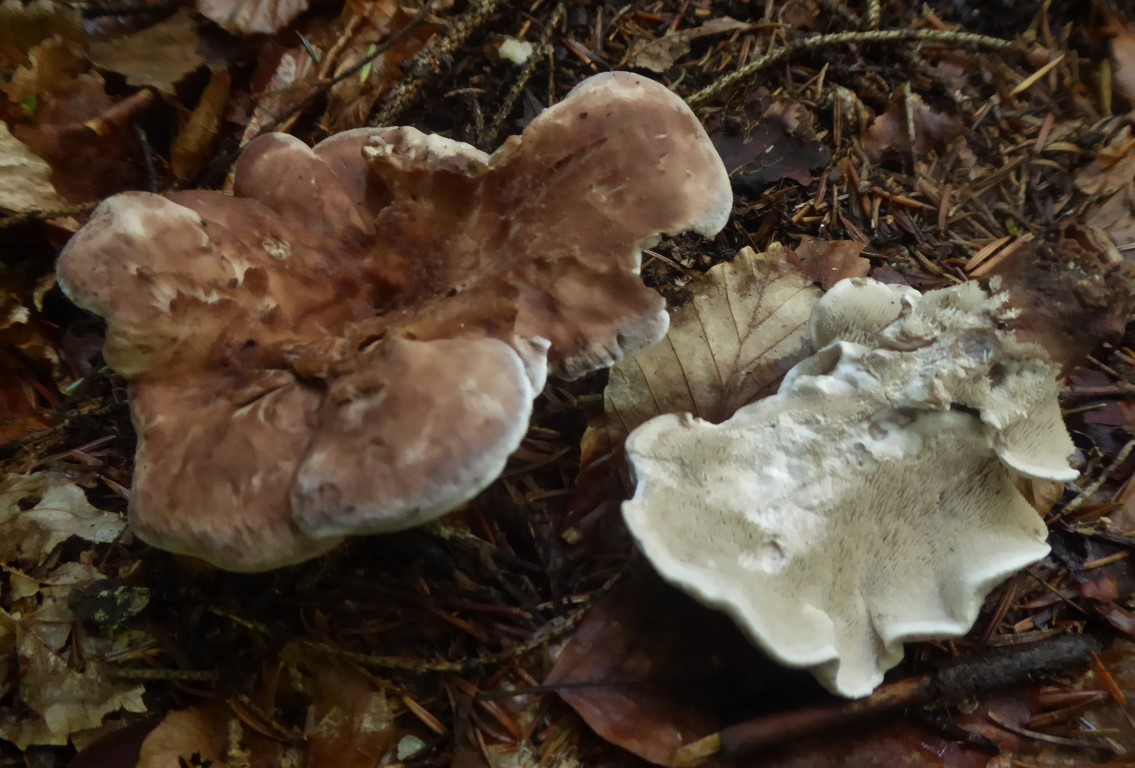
(198, 135)
(251, 17)
(650, 670)
(25, 178)
(1123, 54)
(292, 79)
(781, 145)
(1109, 183)
(889, 132)
(50, 65)
(183, 734)
(351, 100)
(23, 26)
(63, 700)
(39, 512)
(745, 326)
(660, 54)
(829, 261)
(160, 56)
(351, 722)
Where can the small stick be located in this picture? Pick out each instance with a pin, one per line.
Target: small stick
(731, 81)
(955, 681)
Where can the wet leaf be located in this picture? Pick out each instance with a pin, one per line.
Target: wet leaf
(25, 178)
(39, 512)
(781, 145)
(650, 670)
(159, 56)
(660, 54)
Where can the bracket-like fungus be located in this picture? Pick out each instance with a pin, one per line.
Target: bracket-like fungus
(351, 344)
(870, 501)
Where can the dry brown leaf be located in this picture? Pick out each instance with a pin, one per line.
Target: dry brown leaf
(351, 722)
(660, 54)
(829, 261)
(25, 178)
(195, 140)
(198, 731)
(293, 79)
(746, 325)
(39, 512)
(159, 56)
(50, 65)
(251, 17)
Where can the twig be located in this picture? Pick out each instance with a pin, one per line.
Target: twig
(731, 81)
(1096, 484)
(957, 681)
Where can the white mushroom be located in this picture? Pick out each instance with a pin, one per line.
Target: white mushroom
(870, 501)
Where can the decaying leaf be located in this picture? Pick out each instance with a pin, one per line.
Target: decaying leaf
(252, 17)
(891, 131)
(39, 512)
(745, 326)
(25, 178)
(782, 144)
(159, 56)
(1109, 181)
(66, 692)
(660, 54)
(650, 670)
(351, 723)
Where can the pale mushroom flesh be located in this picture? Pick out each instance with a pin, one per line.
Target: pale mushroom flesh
(871, 501)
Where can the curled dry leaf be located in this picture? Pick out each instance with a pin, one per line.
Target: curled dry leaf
(278, 411)
(660, 54)
(39, 512)
(870, 502)
(252, 17)
(159, 56)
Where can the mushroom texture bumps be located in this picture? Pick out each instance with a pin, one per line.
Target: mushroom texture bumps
(870, 501)
(351, 344)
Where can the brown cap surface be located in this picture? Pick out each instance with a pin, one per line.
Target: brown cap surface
(352, 343)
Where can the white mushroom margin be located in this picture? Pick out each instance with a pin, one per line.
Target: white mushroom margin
(870, 502)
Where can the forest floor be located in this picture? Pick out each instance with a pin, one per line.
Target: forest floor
(933, 140)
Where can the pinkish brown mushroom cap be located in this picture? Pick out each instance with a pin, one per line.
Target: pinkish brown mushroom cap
(352, 343)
